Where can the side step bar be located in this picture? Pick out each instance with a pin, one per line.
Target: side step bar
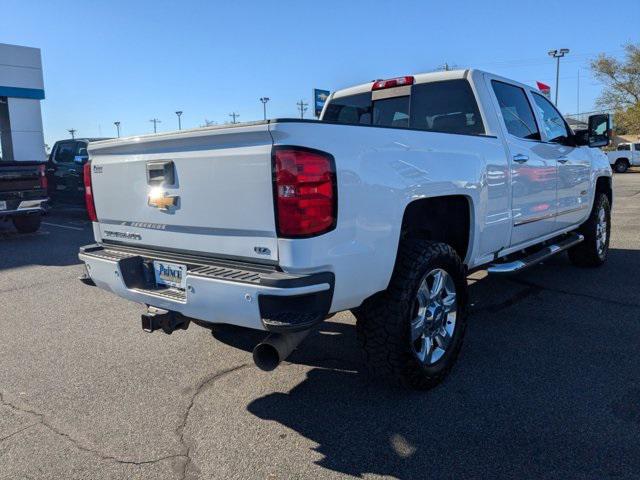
(537, 257)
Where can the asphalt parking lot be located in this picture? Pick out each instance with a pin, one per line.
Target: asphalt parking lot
(547, 385)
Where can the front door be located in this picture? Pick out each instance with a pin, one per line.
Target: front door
(574, 164)
(534, 172)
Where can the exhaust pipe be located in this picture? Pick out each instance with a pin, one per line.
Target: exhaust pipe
(268, 354)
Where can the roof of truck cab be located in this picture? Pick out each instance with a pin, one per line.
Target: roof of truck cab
(418, 78)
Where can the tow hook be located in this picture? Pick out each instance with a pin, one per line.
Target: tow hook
(157, 318)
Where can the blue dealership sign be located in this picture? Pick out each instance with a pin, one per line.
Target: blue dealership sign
(319, 99)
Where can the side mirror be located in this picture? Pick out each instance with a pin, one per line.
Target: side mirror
(599, 130)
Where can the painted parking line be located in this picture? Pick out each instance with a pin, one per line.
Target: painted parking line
(63, 226)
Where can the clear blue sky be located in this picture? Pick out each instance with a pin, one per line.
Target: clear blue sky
(135, 60)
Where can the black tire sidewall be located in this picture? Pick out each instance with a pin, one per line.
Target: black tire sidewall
(27, 223)
(621, 166)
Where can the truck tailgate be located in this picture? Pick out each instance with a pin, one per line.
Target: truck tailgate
(219, 201)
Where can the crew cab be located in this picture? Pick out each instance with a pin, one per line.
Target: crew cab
(381, 207)
(626, 155)
(23, 194)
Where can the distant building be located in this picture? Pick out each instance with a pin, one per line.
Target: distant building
(21, 90)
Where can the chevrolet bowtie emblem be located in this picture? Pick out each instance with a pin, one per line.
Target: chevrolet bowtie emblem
(162, 201)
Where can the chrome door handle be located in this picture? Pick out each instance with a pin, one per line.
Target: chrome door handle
(520, 158)
(563, 160)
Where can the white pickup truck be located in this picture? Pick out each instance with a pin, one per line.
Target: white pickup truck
(382, 207)
(626, 155)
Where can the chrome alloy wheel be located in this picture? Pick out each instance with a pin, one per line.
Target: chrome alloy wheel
(601, 232)
(434, 316)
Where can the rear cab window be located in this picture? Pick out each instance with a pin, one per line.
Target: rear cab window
(447, 106)
(66, 152)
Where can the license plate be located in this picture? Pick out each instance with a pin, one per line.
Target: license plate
(3, 205)
(170, 274)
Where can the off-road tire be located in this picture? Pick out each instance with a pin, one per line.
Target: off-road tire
(383, 321)
(621, 166)
(586, 254)
(27, 223)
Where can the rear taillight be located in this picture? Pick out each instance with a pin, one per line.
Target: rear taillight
(305, 191)
(392, 82)
(42, 173)
(88, 192)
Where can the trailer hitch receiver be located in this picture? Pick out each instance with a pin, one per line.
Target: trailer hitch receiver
(157, 318)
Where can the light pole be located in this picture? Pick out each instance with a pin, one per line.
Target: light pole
(155, 122)
(558, 54)
(264, 101)
(117, 124)
(179, 114)
(72, 131)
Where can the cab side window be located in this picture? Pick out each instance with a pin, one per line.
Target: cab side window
(516, 110)
(555, 128)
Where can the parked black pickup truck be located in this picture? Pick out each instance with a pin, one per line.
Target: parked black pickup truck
(23, 194)
(65, 172)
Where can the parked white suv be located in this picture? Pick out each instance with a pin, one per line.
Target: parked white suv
(625, 156)
(382, 207)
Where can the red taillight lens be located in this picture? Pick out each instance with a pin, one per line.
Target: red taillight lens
(305, 191)
(42, 173)
(88, 192)
(392, 82)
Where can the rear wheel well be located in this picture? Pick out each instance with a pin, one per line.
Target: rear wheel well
(440, 219)
(603, 185)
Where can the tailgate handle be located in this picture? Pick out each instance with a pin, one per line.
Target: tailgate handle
(160, 172)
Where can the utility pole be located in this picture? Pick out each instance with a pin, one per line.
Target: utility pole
(234, 116)
(558, 54)
(302, 106)
(179, 114)
(117, 124)
(155, 122)
(264, 101)
(72, 131)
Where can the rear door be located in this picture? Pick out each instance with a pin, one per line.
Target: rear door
(203, 192)
(533, 166)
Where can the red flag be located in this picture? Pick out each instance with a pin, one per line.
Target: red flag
(546, 89)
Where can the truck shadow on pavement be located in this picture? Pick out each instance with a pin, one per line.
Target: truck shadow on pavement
(540, 389)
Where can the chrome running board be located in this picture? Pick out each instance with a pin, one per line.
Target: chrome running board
(537, 257)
